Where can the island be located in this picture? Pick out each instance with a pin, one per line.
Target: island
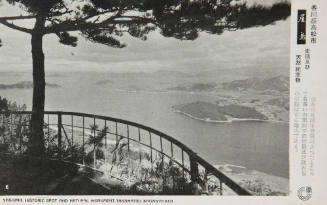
(25, 85)
(211, 112)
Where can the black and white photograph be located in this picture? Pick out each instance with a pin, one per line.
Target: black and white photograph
(145, 97)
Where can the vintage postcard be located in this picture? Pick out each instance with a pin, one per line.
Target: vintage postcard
(162, 101)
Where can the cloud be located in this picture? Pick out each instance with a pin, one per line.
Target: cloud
(257, 47)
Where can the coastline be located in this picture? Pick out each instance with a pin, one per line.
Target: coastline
(230, 119)
(252, 180)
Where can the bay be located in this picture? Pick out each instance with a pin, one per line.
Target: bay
(261, 146)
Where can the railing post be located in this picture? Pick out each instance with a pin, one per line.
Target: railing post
(194, 175)
(48, 137)
(140, 149)
(163, 165)
(94, 145)
(183, 164)
(116, 132)
(59, 134)
(11, 125)
(105, 144)
(128, 139)
(220, 187)
(151, 147)
(83, 140)
(72, 132)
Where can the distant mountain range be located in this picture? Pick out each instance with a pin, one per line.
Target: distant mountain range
(269, 86)
(25, 85)
(279, 83)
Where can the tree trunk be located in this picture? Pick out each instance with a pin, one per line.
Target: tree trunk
(36, 140)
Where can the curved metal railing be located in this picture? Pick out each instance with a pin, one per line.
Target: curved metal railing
(108, 144)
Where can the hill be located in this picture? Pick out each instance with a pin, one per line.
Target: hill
(279, 83)
(282, 102)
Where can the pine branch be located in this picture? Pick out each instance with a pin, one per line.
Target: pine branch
(6, 18)
(15, 27)
(82, 25)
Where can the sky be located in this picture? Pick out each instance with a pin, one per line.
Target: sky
(256, 48)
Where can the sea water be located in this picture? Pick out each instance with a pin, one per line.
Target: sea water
(261, 146)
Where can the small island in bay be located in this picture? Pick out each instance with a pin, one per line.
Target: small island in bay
(216, 113)
(25, 85)
(196, 87)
